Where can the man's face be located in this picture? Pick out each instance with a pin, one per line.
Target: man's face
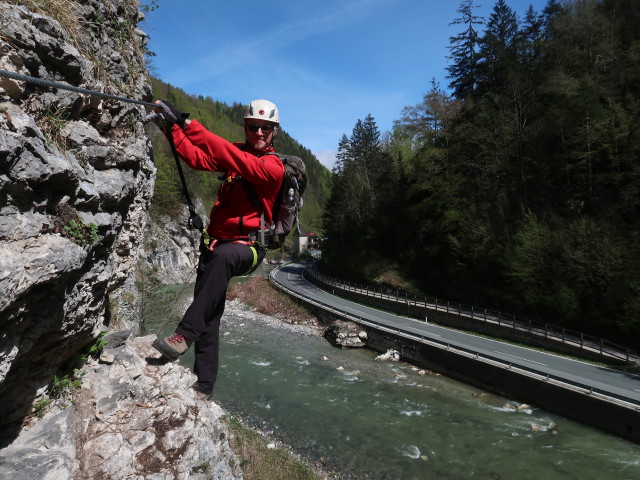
(259, 133)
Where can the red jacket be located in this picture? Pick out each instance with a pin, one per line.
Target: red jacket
(234, 215)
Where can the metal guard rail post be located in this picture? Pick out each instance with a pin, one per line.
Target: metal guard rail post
(597, 345)
(528, 371)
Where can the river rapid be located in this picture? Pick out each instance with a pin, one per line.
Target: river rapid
(370, 419)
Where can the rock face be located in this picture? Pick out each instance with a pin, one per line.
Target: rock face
(171, 248)
(136, 417)
(76, 179)
(346, 334)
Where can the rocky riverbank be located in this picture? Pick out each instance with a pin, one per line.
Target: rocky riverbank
(241, 313)
(134, 416)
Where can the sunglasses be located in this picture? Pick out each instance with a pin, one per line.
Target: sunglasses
(254, 127)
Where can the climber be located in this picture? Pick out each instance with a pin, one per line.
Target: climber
(230, 246)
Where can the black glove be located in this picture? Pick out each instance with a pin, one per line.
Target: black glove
(170, 114)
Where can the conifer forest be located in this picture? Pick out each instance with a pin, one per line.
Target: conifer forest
(517, 185)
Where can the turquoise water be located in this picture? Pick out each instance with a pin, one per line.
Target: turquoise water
(371, 419)
(375, 419)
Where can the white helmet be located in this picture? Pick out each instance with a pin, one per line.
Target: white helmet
(263, 110)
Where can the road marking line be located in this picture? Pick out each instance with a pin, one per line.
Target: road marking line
(520, 358)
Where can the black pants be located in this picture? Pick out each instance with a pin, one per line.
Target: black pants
(201, 321)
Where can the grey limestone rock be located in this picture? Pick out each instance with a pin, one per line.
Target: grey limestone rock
(171, 247)
(46, 451)
(135, 417)
(64, 151)
(76, 179)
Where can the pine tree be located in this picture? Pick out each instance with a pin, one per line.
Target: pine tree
(499, 47)
(359, 185)
(343, 156)
(549, 14)
(365, 151)
(532, 38)
(463, 49)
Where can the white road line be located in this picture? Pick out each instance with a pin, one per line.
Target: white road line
(297, 275)
(520, 358)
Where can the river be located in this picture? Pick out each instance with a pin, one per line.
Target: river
(373, 419)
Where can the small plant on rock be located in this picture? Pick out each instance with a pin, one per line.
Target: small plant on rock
(94, 349)
(82, 234)
(69, 224)
(41, 405)
(62, 386)
(60, 391)
(98, 345)
(52, 125)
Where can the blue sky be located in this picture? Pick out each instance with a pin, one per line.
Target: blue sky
(325, 64)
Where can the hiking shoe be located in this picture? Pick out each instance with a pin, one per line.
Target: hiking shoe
(172, 346)
(205, 397)
(200, 395)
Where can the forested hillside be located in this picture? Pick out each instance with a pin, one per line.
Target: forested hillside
(226, 121)
(519, 187)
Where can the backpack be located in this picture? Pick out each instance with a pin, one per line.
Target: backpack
(288, 202)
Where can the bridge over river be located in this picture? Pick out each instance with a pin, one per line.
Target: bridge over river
(603, 397)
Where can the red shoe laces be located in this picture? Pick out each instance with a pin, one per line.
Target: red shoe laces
(175, 338)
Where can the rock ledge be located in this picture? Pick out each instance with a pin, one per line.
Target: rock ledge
(135, 417)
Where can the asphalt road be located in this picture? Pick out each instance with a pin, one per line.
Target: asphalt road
(602, 381)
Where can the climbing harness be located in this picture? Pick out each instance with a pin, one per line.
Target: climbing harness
(257, 250)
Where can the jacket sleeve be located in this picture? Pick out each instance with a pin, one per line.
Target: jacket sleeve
(203, 150)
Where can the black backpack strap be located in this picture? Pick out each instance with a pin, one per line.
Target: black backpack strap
(251, 192)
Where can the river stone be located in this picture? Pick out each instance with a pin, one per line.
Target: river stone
(346, 334)
(390, 354)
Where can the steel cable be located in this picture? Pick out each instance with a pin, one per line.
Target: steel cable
(49, 83)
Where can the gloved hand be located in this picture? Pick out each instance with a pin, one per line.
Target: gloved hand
(170, 114)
